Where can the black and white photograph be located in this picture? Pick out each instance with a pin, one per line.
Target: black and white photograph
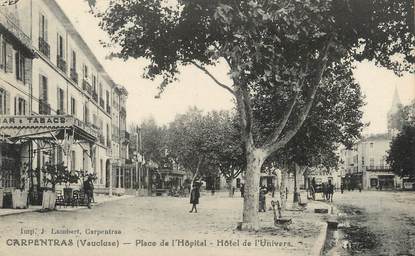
(207, 127)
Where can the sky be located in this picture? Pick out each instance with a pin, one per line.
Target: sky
(196, 89)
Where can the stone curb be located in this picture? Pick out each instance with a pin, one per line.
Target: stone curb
(318, 247)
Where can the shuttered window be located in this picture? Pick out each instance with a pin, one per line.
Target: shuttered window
(61, 101)
(20, 66)
(28, 71)
(43, 90)
(3, 101)
(73, 106)
(20, 106)
(43, 27)
(9, 58)
(2, 52)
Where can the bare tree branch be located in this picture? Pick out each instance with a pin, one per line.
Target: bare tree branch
(228, 88)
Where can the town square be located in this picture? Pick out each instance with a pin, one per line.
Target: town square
(220, 127)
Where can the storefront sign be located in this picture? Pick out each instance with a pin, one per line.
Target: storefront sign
(36, 121)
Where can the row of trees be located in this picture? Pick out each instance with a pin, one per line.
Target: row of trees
(281, 56)
(206, 144)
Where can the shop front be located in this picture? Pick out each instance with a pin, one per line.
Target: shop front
(37, 150)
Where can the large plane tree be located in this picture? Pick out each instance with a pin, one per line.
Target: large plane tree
(280, 49)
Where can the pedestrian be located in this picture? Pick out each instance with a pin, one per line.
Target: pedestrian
(273, 190)
(194, 197)
(286, 193)
(360, 187)
(342, 188)
(262, 200)
(330, 191)
(89, 190)
(324, 189)
(242, 189)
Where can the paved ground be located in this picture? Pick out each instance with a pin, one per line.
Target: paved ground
(143, 223)
(376, 223)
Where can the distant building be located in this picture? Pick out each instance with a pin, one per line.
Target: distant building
(365, 164)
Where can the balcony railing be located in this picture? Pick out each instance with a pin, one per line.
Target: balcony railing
(44, 47)
(86, 87)
(44, 108)
(379, 168)
(87, 126)
(10, 22)
(74, 75)
(101, 102)
(61, 63)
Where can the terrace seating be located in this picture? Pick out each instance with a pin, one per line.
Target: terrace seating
(59, 198)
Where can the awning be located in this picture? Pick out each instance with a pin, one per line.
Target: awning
(16, 128)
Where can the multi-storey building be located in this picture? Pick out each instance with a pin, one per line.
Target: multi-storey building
(64, 80)
(365, 165)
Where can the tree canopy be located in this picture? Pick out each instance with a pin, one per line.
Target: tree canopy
(205, 144)
(401, 155)
(279, 54)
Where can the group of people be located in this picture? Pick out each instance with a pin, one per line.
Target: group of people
(327, 190)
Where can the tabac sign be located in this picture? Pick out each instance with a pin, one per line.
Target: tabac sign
(54, 121)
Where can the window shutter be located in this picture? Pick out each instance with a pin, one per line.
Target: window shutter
(9, 58)
(7, 103)
(58, 108)
(46, 29)
(15, 105)
(45, 89)
(40, 88)
(28, 71)
(1, 51)
(25, 108)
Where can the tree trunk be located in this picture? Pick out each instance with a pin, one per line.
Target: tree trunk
(229, 182)
(295, 192)
(197, 170)
(255, 158)
(283, 194)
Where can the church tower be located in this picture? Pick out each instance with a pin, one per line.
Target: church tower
(394, 118)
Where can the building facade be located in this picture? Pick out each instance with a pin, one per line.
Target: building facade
(365, 164)
(47, 71)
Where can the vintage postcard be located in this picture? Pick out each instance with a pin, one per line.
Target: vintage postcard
(207, 127)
